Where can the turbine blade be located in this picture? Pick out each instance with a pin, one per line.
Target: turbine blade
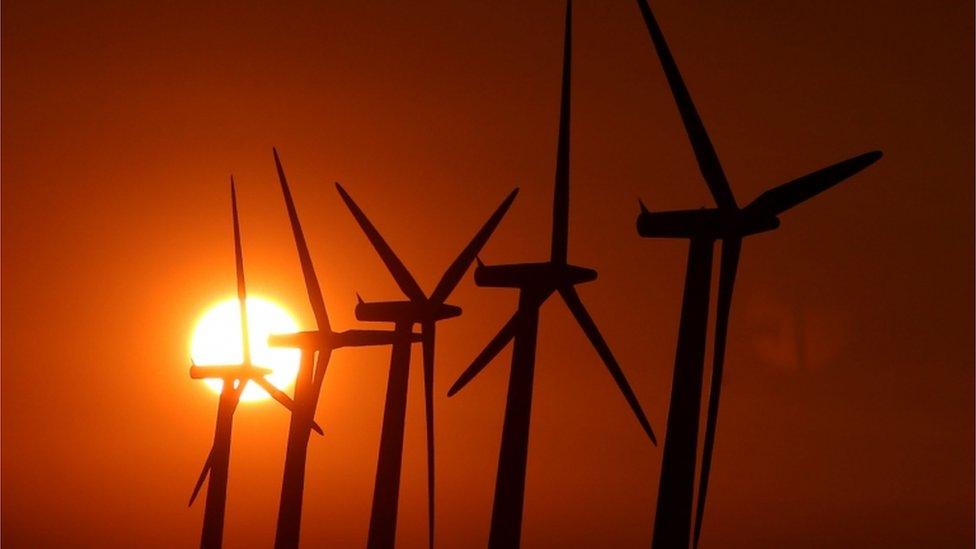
(235, 399)
(643, 207)
(366, 338)
(216, 371)
(457, 269)
(593, 333)
(560, 202)
(708, 162)
(429, 330)
(490, 351)
(779, 199)
(239, 261)
(308, 271)
(321, 362)
(726, 282)
(396, 267)
(204, 473)
(283, 399)
(238, 391)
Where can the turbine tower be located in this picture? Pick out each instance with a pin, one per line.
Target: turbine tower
(536, 282)
(426, 311)
(730, 224)
(235, 377)
(311, 374)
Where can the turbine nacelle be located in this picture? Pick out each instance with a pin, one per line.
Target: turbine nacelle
(761, 215)
(426, 309)
(310, 340)
(405, 311)
(528, 275)
(228, 371)
(319, 341)
(710, 223)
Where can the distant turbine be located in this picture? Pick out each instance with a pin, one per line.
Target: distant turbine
(218, 462)
(536, 282)
(703, 227)
(311, 373)
(417, 309)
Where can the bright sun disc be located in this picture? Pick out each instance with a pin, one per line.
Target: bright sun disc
(217, 340)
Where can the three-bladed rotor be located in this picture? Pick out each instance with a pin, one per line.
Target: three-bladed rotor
(419, 308)
(324, 339)
(246, 371)
(728, 222)
(541, 280)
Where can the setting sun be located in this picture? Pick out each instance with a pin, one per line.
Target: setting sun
(217, 340)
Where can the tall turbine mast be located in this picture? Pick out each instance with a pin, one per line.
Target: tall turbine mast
(730, 224)
(426, 311)
(235, 377)
(316, 347)
(536, 282)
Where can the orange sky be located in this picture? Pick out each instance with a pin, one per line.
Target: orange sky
(122, 122)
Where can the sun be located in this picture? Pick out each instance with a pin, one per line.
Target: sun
(217, 340)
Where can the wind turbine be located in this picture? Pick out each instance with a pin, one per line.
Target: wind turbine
(730, 224)
(418, 308)
(536, 282)
(235, 378)
(311, 373)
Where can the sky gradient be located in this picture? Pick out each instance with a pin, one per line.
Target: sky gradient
(847, 413)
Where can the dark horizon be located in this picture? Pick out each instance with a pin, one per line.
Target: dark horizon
(847, 407)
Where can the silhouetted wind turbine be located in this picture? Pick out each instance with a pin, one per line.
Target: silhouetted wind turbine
(417, 309)
(703, 227)
(218, 462)
(311, 373)
(536, 282)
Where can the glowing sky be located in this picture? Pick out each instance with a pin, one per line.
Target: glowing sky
(847, 415)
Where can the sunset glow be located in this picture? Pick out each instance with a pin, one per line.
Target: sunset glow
(639, 274)
(217, 340)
